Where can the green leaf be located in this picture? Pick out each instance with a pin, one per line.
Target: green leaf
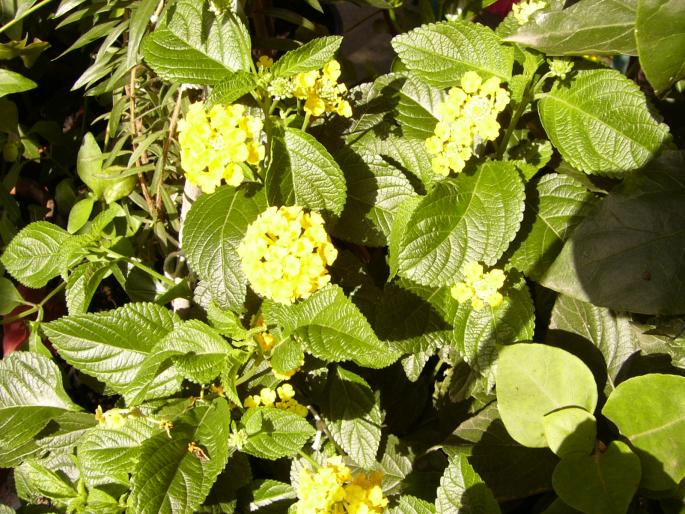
(82, 284)
(65, 431)
(570, 430)
(196, 46)
(555, 205)
(34, 255)
(108, 183)
(231, 88)
(413, 505)
(267, 492)
(440, 53)
(650, 411)
(310, 56)
(226, 322)
(140, 18)
(302, 172)
(611, 333)
(287, 356)
(274, 433)
(11, 82)
(353, 416)
(628, 255)
(468, 218)
(587, 27)
(31, 394)
(400, 221)
(660, 36)
(112, 345)
(600, 123)
(214, 227)
(9, 296)
(109, 455)
(396, 464)
(80, 214)
(599, 484)
(169, 479)
(525, 394)
(27, 53)
(376, 186)
(331, 328)
(47, 482)
(462, 490)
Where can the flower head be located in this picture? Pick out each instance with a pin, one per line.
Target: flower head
(285, 254)
(216, 143)
(282, 398)
(113, 418)
(524, 10)
(321, 91)
(467, 118)
(479, 287)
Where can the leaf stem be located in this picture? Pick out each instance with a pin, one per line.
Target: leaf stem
(520, 109)
(30, 11)
(140, 266)
(36, 307)
(306, 121)
(306, 457)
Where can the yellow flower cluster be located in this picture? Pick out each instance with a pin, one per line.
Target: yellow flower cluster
(113, 418)
(285, 254)
(468, 117)
(265, 340)
(332, 489)
(479, 287)
(524, 10)
(215, 144)
(321, 91)
(268, 398)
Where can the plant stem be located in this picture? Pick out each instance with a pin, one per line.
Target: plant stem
(514, 121)
(30, 11)
(306, 457)
(165, 150)
(306, 121)
(140, 266)
(36, 307)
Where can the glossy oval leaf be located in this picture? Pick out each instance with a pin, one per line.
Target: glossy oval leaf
(11, 82)
(570, 430)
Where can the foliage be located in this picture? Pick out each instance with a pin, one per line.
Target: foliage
(457, 287)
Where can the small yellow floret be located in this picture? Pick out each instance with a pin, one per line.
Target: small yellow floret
(265, 61)
(113, 418)
(524, 10)
(467, 119)
(215, 144)
(479, 287)
(321, 91)
(285, 254)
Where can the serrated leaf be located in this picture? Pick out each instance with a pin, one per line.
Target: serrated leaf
(267, 492)
(112, 345)
(376, 186)
(628, 254)
(34, 255)
(302, 172)
(169, 478)
(274, 433)
(600, 123)
(31, 394)
(226, 322)
(310, 56)
(413, 505)
(109, 455)
(9, 296)
(399, 225)
(555, 205)
(82, 284)
(353, 416)
(587, 27)
(214, 227)
(396, 464)
(198, 47)
(440, 53)
(47, 482)
(11, 82)
(287, 356)
(525, 394)
(468, 218)
(332, 328)
(231, 88)
(660, 25)
(63, 432)
(462, 490)
(608, 331)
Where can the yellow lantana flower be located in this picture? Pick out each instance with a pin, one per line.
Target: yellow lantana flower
(467, 118)
(321, 91)
(285, 254)
(215, 144)
(267, 397)
(479, 287)
(524, 10)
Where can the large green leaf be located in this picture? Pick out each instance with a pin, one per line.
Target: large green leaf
(353, 416)
(440, 53)
(468, 218)
(196, 46)
(660, 36)
(310, 56)
(628, 255)
(169, 478)
(332, 328)
(526, 393)
(112, 345)
(302, 172)
(31, 394)
(231, 88)
(610, 332)
(46, 482)
(34, 255)
(213, 229)
(600, 123)
(650, 411)
(555, 205)
(462, 490)
(108, 455)
(82, 284)
(11, 82)
(412, 505)
(599, 484)
(274, 433)
(570, 430)
(587, 27)
(64, 432)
